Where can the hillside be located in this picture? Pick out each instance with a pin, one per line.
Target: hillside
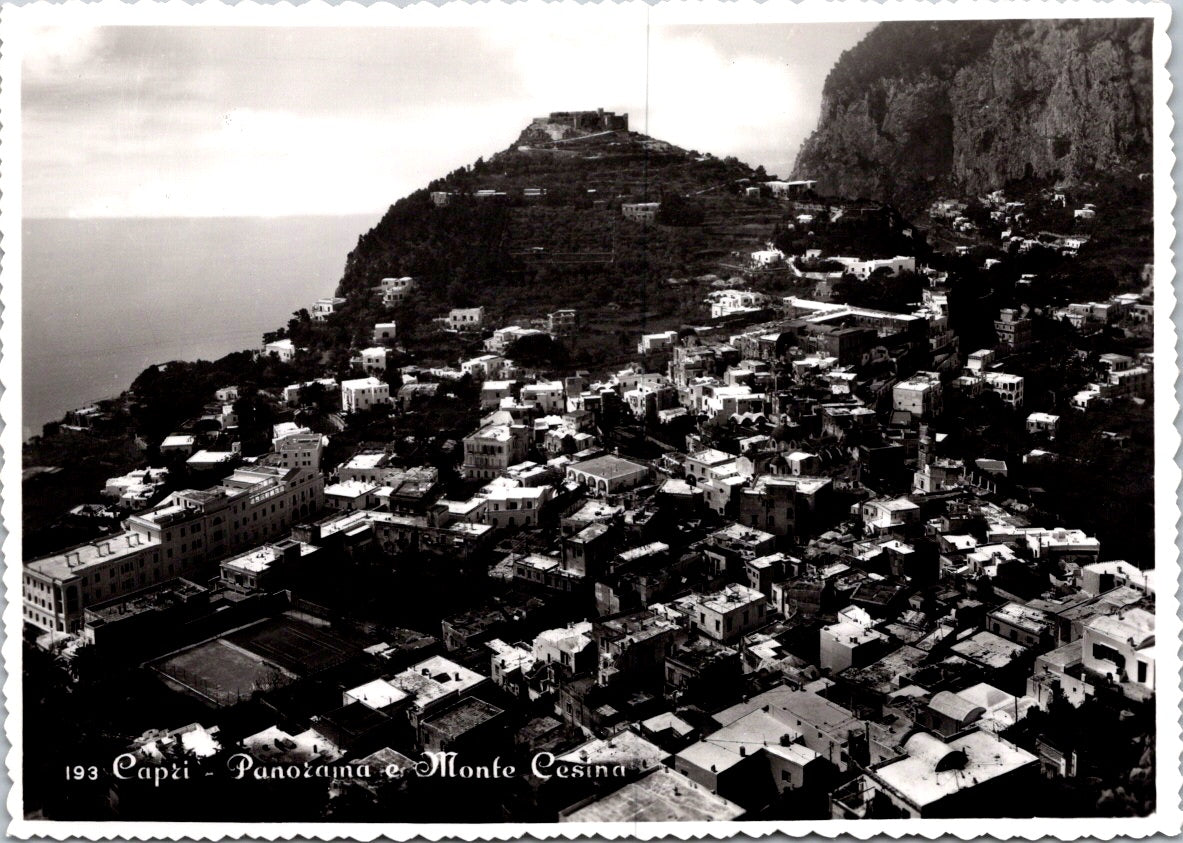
(572, 227)
(920, 108)
(539, 226)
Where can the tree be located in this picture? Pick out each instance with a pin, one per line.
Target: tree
(678, 210)
(538, 351)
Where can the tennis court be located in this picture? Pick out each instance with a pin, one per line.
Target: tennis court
(219, 672)
(298, 647)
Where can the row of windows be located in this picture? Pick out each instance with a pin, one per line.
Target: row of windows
(94, 580)
(484, 449)
(43, 620)
(512, 505)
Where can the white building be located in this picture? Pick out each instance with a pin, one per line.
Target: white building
(550, 396)
(763, 258)
(863, 269)
(300, 448)
(434, 684)
(492, 449)
(608, 474)
(322, 309)
(1121, 648)
(291, 392)
(385, 332)
(363, 394)
(178, 444)
(883, 515)
(728, 614)
(709, 464)
(935, 779)
(136, 488)
(920, 395)
(1007, 387)
(514, 506)
(657, 342)
(396, 290)
(503, 338)
(282, 350)
(176, 538)
(980, 360)
(351, 495)
(1043, 423)
(851, 642)
(466, 318)
(727, 302)
(723, 402)
(373, 359)
(640, 211)
(483, 368)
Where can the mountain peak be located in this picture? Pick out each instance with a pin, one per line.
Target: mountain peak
(576, 133)
(917, 108)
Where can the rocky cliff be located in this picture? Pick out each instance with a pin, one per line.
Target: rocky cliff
(919, 108)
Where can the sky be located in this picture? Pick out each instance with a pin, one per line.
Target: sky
(153, 121)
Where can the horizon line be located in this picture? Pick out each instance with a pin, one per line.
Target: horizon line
(239, 216)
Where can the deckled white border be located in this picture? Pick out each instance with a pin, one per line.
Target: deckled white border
(532, 13)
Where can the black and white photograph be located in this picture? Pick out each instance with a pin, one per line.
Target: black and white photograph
(612, 419)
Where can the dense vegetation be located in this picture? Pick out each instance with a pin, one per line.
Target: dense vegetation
(572, 242)
(907, 50)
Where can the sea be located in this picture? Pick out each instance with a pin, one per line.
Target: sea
(103, 299)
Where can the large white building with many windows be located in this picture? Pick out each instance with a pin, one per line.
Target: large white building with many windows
(492, 449)
(363, 394)
(188, 530)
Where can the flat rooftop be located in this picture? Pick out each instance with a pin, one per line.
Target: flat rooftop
(804, 484)
(986, 757)
(274, 745)
(731, 597)
(352, 489)
(434, 679)
(151, 599)
(595, 511)
(466, 715)
(627, 748)
(812, 709)
(255, 561)
(711, 456)
(1024, 617)
(377, 694)
(739, 534)
(367, 461)
(744, 737)
(610, 467)
(71, 562)
(662, 796)
(1133, 625)
(988, 649)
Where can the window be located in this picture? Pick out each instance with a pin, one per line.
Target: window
(1107, 653)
